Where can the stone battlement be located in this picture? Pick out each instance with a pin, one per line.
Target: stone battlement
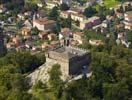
(71, 59)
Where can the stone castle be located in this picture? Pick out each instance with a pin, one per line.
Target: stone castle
(72, 60)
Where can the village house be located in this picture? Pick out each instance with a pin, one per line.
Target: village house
(65, 33)
(28, 44)
(95, 42)
(77, 36)
(120, 15)
(75, 14)
(120, 26)
(109, 18)
(65, 14)
(105, 24)
(2, 9)
(93, 21)
(68, 2)
(91, 2)
(44, 46)
(51, 5)
(42, 35)
(10, 45)
(123, 39)
(44, 24)
(55, 43)
(52, 36)
(41, 14)
(28, 13)
(77, 17)
(21, 16)
(128, 20)
(26, 31)
(16, 40)
(127, 6)
(28, 24)
(27, 37)
(36, 48)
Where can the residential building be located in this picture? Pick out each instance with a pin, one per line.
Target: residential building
(65, 33)
(128, 20)
(42, 35)
(93, 21)
(26, 31)
(51, 5)
(44, 24)
(65, 14)
(95, 42)
(21, 16)
(78, 36)
(77, 17)
(2, 9)
(68, 2)
(75, 14)
(52, 36)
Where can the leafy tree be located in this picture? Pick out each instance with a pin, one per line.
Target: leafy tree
(101, 13)
(103, 67)
(117, 91)
(55, 80)
(89, 11)
(2, 47)
(19, 24)
(31, 6)
(64, 7)
(67, 22)
(39, 85)
(23, 61)
(129, 37)
(82, 2)
(54, 14)
(34, 31)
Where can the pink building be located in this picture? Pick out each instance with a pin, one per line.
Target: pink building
(93, 21)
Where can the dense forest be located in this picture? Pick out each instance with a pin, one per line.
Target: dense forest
(111, 79)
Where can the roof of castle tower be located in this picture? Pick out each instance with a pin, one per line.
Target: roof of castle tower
(69, 52)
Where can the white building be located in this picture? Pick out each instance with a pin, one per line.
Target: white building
(68, 2)
(128, 20)
(44, 24)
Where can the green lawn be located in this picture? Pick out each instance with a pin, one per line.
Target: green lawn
(111, 3)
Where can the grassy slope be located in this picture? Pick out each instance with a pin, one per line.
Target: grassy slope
(111, 3)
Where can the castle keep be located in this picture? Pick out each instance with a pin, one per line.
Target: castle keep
(72, 60)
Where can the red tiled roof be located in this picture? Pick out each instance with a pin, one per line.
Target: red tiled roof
(44, 21)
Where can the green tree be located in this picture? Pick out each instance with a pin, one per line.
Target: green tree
(101, 13)
(117, 91)
(103, 67)
(67, 22)
(19, 24)
(64, 7)
(54, 14)
(89, 11)
(34, 31)
(2, 46)
(55, 80)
